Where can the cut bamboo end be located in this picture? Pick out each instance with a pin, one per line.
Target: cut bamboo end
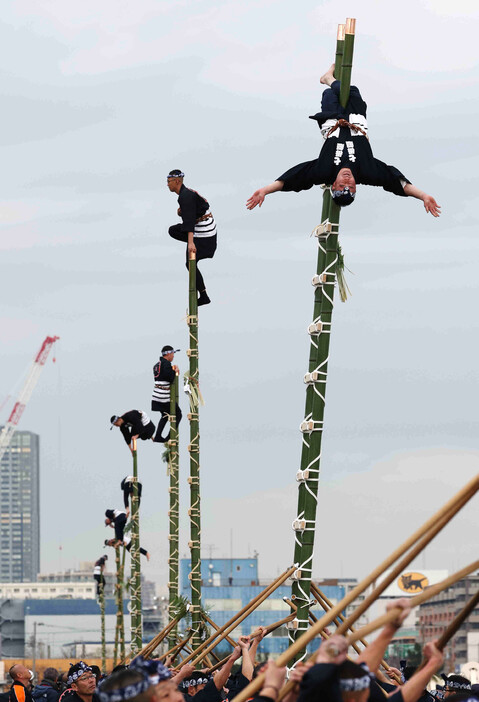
(192, 256)
(341, 32)
(133, 444)
(350, 25)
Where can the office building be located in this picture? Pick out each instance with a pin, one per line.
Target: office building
(20, 509)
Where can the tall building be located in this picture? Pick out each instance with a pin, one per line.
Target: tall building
(20, 509)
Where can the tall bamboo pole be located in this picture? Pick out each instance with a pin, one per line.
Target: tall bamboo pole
(101, 601)
(173, 513)
(135, 595)
(312, 427)
(119, 604)
(122, 617)
(194, 450)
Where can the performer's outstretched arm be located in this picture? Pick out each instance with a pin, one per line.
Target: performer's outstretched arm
(258, 196)
(430, 205)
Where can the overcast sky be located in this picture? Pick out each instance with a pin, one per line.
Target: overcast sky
(100, 99)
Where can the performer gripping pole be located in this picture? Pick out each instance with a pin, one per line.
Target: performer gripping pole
(164, 374)
(127, 489)
(198, 228)
(134, 425)
(173, 513)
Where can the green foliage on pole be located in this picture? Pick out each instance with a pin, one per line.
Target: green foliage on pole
(173, 513)
(194, 450)
(101, 601)
(135, 594)
(320, 333)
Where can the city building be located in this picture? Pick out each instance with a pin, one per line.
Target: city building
(228, 584)
(19, 509)
(435, 615)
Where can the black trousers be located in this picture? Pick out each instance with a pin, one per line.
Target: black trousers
(120, 522)
(100, 583)
(164, 408)
(128, 490)
(142, 550)
(205, 248)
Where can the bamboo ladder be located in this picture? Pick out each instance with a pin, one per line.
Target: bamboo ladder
(173, 512)
(135, 594)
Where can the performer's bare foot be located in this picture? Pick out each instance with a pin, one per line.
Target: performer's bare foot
(328, 78)
(147, 556)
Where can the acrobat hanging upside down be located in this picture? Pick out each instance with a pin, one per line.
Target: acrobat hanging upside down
(346, 158)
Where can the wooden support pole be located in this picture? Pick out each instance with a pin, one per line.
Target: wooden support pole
(264, 594)
(327, 618)
(404, 562)
(174, 650)
(228, 629)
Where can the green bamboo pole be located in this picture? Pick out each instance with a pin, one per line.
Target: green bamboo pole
(320, 331)
(173, 514)
(135, 594)
(194, 450)
(119, 604)
(101, 599)
(347, 62)
(121, 632)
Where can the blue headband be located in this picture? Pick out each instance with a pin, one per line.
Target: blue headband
(154, 670)
(81, 669)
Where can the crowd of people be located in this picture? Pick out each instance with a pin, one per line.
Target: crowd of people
(330, 677)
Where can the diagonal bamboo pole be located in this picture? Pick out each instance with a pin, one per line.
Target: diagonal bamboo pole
(403, 563)
(194, 449)
(174, 650)
(215, 626)
(326, 605)
(264, 594)
(173, 513)
(135, 595)
(327, 618)
(414, 601)
(456, 624)
(228, 629)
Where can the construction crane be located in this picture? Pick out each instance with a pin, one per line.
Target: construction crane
(25, 393)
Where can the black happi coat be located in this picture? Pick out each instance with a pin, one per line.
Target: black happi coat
(192, 206)
(344, 151)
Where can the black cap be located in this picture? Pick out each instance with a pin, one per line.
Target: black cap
(343, 197)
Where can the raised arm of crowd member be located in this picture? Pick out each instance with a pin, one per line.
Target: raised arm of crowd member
(246, 664)
(183, 673)
(374, 653)
(256, 641)
(414, 687)
(322, 677)
(223, 673)
(274, 679)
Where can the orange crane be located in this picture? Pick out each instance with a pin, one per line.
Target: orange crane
(25, 393)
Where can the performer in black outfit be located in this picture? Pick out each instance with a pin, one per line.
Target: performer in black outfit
(127, 544)
(127, 488)
(98, 573)
(164, 375)
(117, 518)
(346, 157)
(198, 229)
(134, 424)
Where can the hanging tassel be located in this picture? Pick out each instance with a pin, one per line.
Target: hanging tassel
(343, 287)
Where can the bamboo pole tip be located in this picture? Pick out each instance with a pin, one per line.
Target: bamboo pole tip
(340, 35)
(192, 256)
(351, 25)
